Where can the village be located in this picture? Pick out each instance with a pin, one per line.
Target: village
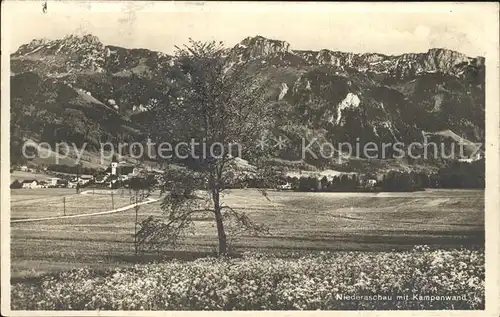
(116, 175)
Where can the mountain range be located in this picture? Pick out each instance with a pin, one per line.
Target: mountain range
(77, 89)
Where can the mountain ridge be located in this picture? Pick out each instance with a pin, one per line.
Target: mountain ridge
(338, 95)
(93, 38)
(259, 46)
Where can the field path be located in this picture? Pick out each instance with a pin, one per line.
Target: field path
(148, 201)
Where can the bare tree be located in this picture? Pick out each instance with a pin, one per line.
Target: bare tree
(224, 110)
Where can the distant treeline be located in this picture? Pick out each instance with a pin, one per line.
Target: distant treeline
(73, 169)
(462, 175)
(393, 181)
(455, 175)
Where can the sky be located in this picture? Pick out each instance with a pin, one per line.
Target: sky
(388, 28)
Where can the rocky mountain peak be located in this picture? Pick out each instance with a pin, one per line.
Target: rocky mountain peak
(279, 53)
(257, 47)
(62, 56)
(264, 46)
(85, 40)
(68, 44)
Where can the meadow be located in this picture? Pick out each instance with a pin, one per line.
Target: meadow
(299, 222)
(54, 202)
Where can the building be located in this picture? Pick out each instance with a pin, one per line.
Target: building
(114, 166)
(62, 183)
(82, 179)
(30, 183)
(53, 181)
(122, 168)
(43, 184)
(100, 179)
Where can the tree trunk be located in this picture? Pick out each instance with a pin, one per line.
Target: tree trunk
(220, 224)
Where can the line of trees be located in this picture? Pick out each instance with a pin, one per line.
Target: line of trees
(342, 183)
(16, 184)
(61, 168)
(345, 182)
(455, 175)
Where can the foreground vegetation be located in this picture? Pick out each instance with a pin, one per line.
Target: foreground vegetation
(257, 282)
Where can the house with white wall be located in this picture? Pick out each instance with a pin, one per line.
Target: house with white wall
(30, 183)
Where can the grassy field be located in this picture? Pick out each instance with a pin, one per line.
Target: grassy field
(53, 202)
(297, 221)
(38, 194)
(20, 175)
